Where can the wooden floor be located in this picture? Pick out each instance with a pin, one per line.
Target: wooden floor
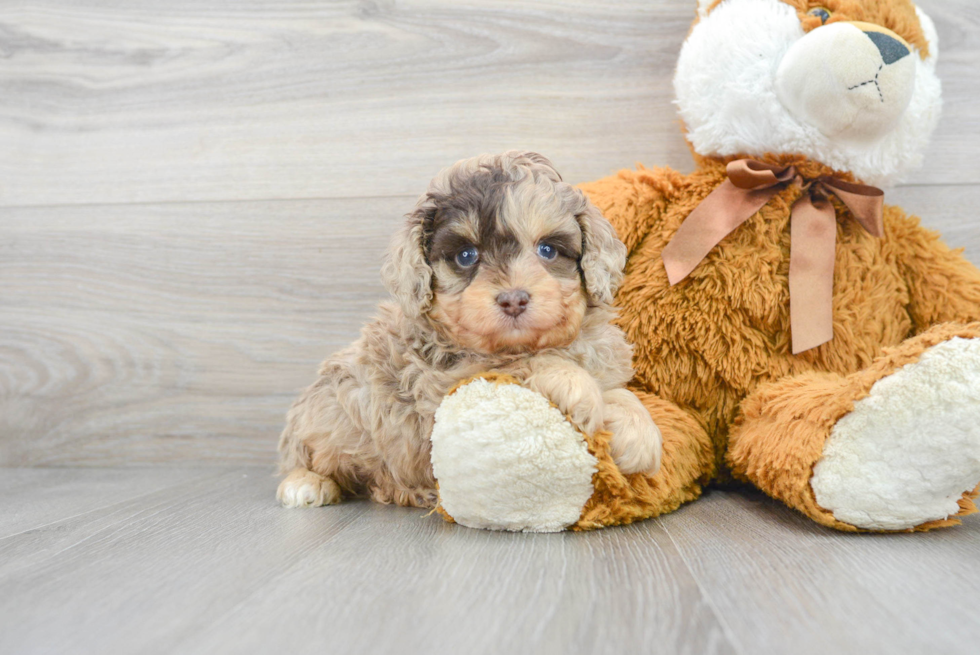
(194, 199)
(203, 561)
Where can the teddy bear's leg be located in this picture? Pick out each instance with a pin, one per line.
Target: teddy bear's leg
(687, 462)
(893, 447)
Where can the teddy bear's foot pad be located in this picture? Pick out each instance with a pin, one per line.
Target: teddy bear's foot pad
(909, 451)
(506, 459)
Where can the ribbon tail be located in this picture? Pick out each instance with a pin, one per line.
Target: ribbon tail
(716, 217)
(867, 204)
(811, 272)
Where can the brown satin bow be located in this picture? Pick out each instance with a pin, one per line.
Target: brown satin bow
(813, 233)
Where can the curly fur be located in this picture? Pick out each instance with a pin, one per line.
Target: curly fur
(363, 427)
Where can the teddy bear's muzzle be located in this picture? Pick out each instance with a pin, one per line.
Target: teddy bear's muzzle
(852, 81)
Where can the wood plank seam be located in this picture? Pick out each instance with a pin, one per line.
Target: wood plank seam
(353, 514)
(719, 616)
(102, 507)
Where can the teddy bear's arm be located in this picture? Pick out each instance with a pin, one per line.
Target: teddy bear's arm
(634, 201)
(943, 285)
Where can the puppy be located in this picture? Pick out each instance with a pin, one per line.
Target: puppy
(500, 267)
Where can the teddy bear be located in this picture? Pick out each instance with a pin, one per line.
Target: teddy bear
(791, 331)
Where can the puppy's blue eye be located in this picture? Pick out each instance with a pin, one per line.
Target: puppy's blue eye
(467, 257)
(547, 252)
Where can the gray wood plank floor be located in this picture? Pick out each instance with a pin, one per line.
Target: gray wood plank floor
(205, 562)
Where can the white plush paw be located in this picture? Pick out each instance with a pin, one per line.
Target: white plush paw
(303, 488)
(909, 451)
(636, 444)
(506, 459)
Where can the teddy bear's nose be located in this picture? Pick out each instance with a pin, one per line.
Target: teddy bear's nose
(891, 49)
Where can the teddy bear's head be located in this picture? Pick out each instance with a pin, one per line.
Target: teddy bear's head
(848, 83)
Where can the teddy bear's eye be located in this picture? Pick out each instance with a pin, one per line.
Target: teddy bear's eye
(820, 13)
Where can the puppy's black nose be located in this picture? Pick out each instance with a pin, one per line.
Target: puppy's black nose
(514, 302)
(891, 49)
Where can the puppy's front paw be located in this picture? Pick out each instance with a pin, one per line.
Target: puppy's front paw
(636, 442)
(576, 394)
(303, 488)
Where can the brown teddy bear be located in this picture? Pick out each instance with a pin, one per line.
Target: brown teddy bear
(791, 331)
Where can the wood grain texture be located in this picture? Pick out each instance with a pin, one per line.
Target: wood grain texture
(792, 586)
(33, 499)
(139, 334)
(174, 101)
(180, 333)
(152, 101)
(212, 565)
(215, 566)
(426, 587)
(124, 578)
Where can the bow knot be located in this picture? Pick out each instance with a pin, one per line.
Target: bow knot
(813, 233)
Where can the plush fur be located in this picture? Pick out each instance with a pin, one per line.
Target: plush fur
(501, 267)
(894, 460)
(491, 441)
(506, 460)
(713, 353)
(752, 45)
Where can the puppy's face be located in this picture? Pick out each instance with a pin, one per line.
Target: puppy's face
(500, 255)
(505, 261)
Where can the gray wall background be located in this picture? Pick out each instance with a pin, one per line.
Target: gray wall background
(194, 195)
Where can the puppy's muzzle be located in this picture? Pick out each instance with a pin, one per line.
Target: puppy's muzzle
(514, 302)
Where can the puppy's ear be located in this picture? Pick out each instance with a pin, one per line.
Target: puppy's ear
(405, 271)
(603, 254)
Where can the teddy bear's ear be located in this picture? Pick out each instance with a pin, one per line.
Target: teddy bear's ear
(405, 271)
(603, 254)
(932, 36)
